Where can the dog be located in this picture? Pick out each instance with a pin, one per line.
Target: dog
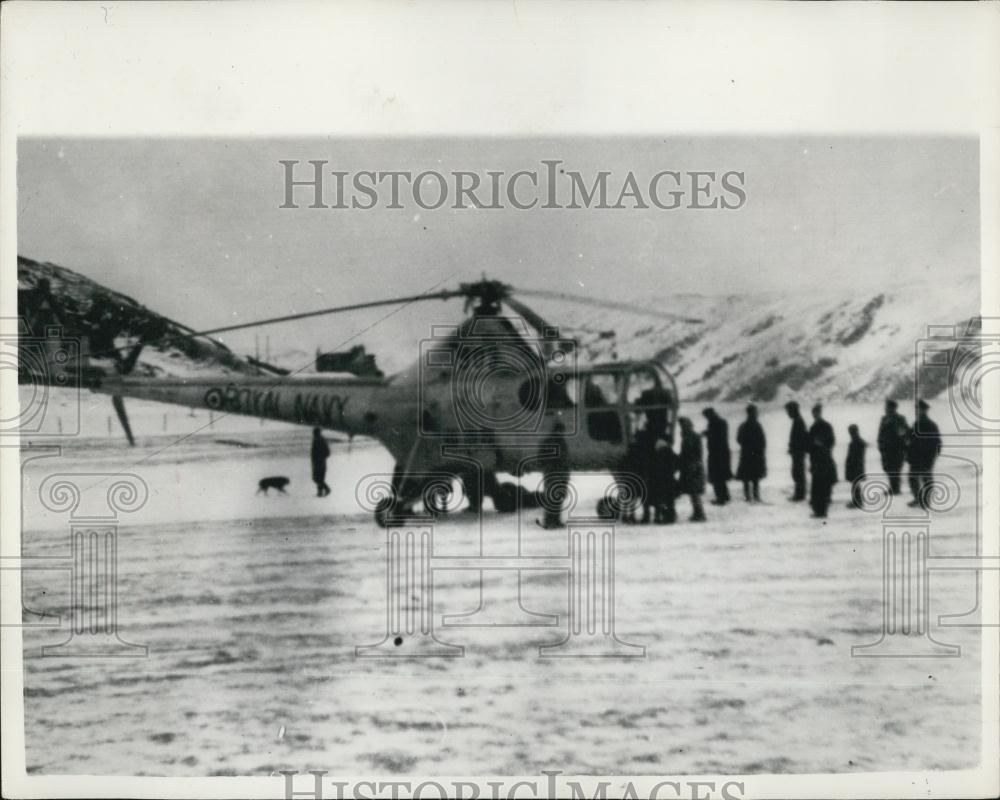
(278, 482)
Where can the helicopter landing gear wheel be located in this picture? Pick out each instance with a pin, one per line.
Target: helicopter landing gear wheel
(382, 511)
(505, 497)
(393, 509)
(436, 500)
(391, 505)
(473, 490)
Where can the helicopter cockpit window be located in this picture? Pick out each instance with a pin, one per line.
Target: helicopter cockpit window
(601, 390)
(601, 394)
(651, 404)
(642, 385)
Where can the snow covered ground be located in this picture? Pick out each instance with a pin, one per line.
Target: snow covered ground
(252, 607)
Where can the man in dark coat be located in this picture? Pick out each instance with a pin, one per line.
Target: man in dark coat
(753, 459)
(663, 487)
(893, 435)
(719, 464)
(318, 455)
(642, 462)
(854, 467)
(798, 449)
(925, 445)
(821, 464)
(692, 469)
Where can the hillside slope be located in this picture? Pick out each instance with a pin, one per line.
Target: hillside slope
(85, 308)
(846, 346)
(841, 345)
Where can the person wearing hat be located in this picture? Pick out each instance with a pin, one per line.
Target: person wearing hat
(893, 436)
(692, 470)
(798, 449)
(720, 468)
(753, 459)
(821, 463)
(925, 445)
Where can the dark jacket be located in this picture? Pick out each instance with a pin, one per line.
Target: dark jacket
(892, 436)
(719, 458)
(641, 458)
(925, 444)
(318, 455)
(753, 444)
(663, 484)
(854, 467)
(821, 462)
(692, 470)
(798, 439)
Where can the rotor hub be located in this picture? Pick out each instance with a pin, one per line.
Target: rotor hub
(490, 294)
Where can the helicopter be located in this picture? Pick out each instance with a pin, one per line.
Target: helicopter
(485, 397)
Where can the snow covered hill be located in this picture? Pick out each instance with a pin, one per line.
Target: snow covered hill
(843, 345)
(837, 344)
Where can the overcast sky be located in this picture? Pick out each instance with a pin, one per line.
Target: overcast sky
(193, 228)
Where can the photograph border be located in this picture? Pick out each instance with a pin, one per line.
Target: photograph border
(165, 69)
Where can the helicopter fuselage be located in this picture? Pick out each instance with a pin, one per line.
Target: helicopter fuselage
(429, 421)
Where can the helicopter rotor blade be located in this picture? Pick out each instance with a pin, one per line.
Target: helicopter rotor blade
(528, 313)
(534, 319)
(442, 295)
(590, 301)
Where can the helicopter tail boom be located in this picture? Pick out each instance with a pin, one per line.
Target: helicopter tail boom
(343, 405)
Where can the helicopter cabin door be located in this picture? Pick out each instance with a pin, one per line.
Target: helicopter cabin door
(593, 408)
(650, 402)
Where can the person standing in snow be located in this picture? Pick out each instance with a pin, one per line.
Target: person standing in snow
(821, 463)
(798, 449)
(318, 455)
(692, 469)
(719, 463)
(925, 445)
(893, 434)
(753, 458)
(854, 467)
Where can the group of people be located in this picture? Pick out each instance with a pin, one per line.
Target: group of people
(667, 474)
(919, 446)
(816, 443)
